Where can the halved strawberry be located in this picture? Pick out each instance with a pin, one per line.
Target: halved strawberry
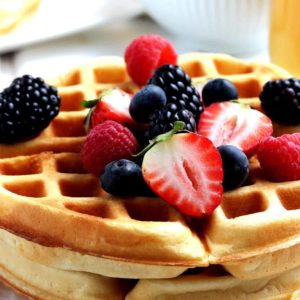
(232, 123)
(113, 104)
(186, 171)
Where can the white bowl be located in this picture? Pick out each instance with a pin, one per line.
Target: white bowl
(232, 26)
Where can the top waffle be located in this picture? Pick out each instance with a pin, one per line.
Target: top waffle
(48, 197)
(66, 132)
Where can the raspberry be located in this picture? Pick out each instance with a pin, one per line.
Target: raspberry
(280, 157)
(145, 54)
(105, 143)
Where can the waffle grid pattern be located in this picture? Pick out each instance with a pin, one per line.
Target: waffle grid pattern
(58, 181)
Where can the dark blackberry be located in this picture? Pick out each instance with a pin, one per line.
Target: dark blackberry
(163, 120)
(280, 99)
(183, 101)
(26, 107)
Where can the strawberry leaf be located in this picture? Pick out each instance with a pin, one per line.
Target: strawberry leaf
(178, 126)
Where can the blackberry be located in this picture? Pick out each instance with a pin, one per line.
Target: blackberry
(280, 99)
(163, 121)
(26, 107)
(183, 101)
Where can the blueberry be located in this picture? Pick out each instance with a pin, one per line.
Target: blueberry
(145, 102)
(218, 90)
(235, 166)
(124, 178)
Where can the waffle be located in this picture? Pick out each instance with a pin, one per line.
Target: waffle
(66, 132)
(42, 182)
(215, 284)
(261, 221)
(72, 212)
(36, 281)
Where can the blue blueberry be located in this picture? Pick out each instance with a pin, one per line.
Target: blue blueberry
(124, 178)
(145, 102)
(235, 166)
(218, 90)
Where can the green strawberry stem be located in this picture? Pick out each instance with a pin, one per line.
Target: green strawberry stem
(178, 126)
(91, 105)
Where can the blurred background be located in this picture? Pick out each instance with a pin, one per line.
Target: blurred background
(47, 37)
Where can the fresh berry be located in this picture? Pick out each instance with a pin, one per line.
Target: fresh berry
(27, 107)
(280, 157)
(181, 97)
(235, 124)
(280, 99)
(107, 142)
(146, 101)
(218, 90)
(186, 171)
(235, 166)
(113, 104)
(145, 54)
(163, 121)
(124, 178)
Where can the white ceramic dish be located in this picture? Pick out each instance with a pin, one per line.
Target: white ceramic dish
(233, 26)
(58, 18)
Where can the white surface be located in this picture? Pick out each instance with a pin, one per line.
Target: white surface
(56, 18)
(233, 26)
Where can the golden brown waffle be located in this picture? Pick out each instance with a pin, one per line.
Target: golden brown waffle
(49, 199)
(255, 232)
(36, 281)
(215, 284)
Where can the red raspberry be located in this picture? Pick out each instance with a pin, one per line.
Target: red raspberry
(280, 157)
(107, 142)
(145, 54)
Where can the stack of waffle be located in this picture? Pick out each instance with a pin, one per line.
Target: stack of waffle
(62, 237)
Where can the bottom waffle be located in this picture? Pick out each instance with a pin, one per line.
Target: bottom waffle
(214, 283)
(36, 281)
(64, 259)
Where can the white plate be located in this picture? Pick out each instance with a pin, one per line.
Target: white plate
(57, 18)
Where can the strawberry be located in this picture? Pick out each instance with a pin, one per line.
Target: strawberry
(186, 171)
(113, 104)
(280, 157)
(232, 123)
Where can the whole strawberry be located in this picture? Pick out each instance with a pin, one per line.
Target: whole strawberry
(280, 157)
(105, 143)
(112, 104)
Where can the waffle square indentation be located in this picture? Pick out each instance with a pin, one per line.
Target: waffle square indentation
(194, 69)
(117, 74)
(22, 167)
(68, 127)
(71, 101)
(34, 189)
(79, 186)
(231, 68)
(248, 88)
(148, 210)
(289, 197)
(243, 204)
(70, 165)
(73, 79)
